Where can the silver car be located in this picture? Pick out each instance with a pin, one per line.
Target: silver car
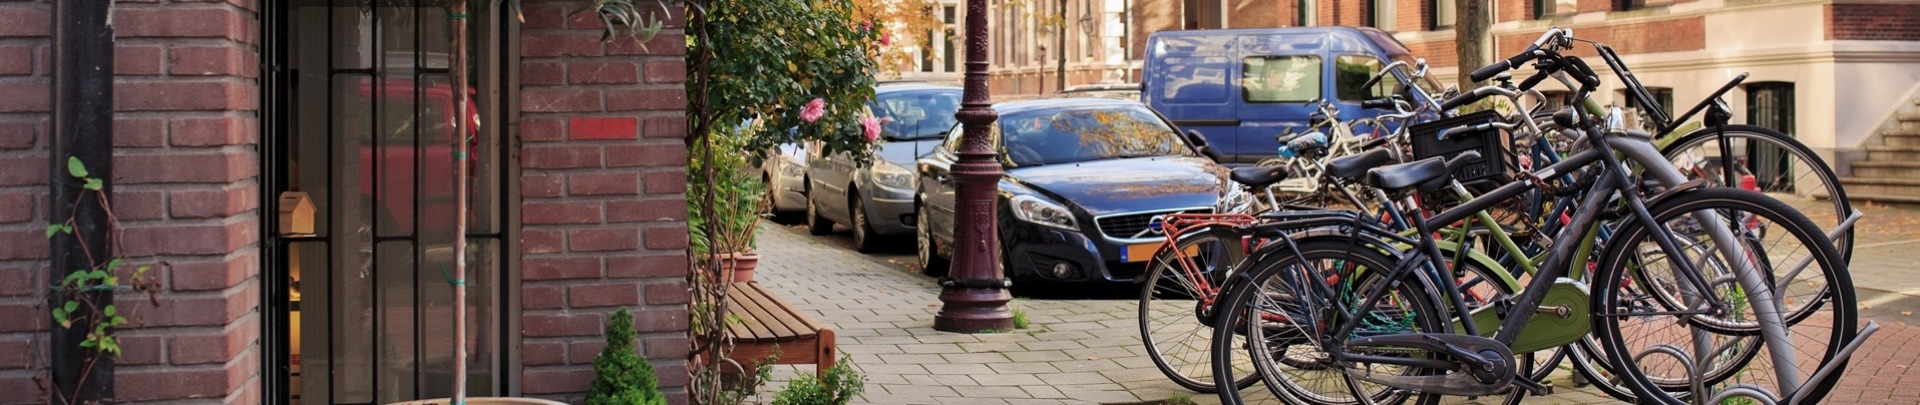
(785, 172)
(877, 199)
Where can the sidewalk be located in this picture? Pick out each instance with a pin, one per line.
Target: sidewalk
(1089, 352)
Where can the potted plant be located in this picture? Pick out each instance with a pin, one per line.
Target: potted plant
(734, 216)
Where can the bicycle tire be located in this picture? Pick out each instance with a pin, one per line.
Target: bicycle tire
(1162, 307)
(1817, 167)
(1615, 271)
(1418, 296)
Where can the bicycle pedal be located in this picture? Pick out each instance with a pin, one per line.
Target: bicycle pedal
(1534, 388)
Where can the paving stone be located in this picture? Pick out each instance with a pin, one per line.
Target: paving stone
(964, 358)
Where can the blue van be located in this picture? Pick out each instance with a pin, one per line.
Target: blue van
(1241, 89)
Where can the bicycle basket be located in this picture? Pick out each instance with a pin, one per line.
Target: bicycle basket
(1495, 146)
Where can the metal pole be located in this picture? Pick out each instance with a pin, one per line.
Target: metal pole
(82, 129)
(974, 298)
(462, 123)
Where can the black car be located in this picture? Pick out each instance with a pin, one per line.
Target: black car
(1084, 179)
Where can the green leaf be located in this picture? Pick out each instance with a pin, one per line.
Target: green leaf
(72, 278)
(89, 343)
(60, 315)
(75, 168)
(115, 263)
(52, 229)
(119, 320)
(97, 275)
(109, 310)
(72, 306)
(94, 184)
(140, 271)
(66, 229)
(111, 281)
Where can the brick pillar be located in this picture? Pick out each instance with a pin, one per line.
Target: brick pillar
(603, 209)
(24, 124)
(185, 194)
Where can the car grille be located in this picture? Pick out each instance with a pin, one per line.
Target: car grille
(1125, 226)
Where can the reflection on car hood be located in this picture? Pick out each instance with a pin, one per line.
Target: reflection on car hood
(903, 153)
(1126, 185)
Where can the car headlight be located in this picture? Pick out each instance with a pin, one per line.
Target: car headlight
(890, 175)
(1033, 209)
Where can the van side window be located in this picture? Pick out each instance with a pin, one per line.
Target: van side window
(1280, 79)
(1352, 71)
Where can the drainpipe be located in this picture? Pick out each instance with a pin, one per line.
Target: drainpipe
(82, 129)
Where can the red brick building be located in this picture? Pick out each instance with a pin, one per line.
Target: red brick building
(224, 108)
(1840, 75)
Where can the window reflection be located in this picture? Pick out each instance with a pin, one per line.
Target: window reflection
(1281, 79)
(1083, 134)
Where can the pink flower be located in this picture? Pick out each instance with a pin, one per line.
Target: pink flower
(886, 38)
(866, 25)
(813, 111)
(872, 127)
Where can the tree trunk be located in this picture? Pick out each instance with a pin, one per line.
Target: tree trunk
(1471, 20)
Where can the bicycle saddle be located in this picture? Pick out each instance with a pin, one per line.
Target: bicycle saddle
(1354, 166)
(1402, 176)
(1258, 177)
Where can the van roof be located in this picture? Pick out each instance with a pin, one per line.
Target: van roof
(1336, 39)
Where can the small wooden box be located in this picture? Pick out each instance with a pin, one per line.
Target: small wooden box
(296, 213)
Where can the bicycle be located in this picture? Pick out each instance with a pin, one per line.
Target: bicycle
(1472, 365)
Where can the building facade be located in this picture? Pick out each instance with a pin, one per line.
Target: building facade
(1840, 75)
(286, 168)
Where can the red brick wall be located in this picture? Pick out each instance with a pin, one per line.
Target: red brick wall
(185, 192)
(604, 206)
(1259, 13)
(1676, 35)
(1412, 15)
(1150, 16)
(1873, 22)
(1438, 53)
(1514, 10)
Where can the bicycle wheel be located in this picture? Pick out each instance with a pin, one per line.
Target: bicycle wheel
(1781, 167)
(1284, 316)
(1175, 303)
(1645, 311)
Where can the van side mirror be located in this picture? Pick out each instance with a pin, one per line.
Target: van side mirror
(1193, 135)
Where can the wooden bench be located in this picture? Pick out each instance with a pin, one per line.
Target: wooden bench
(758, 321)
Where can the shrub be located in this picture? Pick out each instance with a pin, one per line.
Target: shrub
(621, 377)
(840, 386)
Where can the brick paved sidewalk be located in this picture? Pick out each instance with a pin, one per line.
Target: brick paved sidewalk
(1089, 352)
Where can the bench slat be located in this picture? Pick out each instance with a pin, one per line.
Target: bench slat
(777, 316)
(799, 319)
(766, 316)
(775, 330)
(743, 323)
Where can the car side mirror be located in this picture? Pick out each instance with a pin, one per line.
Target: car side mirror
(1193, 135)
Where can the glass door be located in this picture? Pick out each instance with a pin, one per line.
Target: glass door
(361, 146)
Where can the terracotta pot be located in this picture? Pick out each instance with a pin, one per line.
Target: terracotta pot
(483, 401)
(741, 264)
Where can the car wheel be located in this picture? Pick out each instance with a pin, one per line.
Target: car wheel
(816, 224)
(771, 200)
(931, 263)
(862, 229)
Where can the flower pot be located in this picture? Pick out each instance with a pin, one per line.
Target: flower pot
(741, 264)
(483, 401)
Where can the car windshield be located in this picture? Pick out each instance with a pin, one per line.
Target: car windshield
(916, 114)
(1078, 134)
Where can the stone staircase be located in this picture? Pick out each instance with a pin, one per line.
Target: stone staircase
(1891, 171)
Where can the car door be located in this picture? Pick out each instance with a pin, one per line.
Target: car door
(828, 176)
(937, 188)
(1278, 74)
(1186, 79)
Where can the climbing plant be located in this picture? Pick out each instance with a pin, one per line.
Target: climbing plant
(77, 302)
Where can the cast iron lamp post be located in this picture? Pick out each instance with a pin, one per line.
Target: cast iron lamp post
(974, 296)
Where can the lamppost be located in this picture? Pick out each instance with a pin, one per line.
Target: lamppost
(974, 296)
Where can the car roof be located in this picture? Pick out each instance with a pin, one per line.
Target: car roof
(1020, 106)
(910, 86)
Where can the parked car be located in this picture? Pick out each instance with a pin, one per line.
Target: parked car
(1129, 91)
(1084, 179)
(1243, 88)
(876, 199)
(785, 172)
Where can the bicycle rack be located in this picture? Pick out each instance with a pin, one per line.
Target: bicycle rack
(1755, 393)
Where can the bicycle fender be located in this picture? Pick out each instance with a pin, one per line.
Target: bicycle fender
(1452, 249)
(1676, 190)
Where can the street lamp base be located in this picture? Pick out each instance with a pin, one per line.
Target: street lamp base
(974, 310)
